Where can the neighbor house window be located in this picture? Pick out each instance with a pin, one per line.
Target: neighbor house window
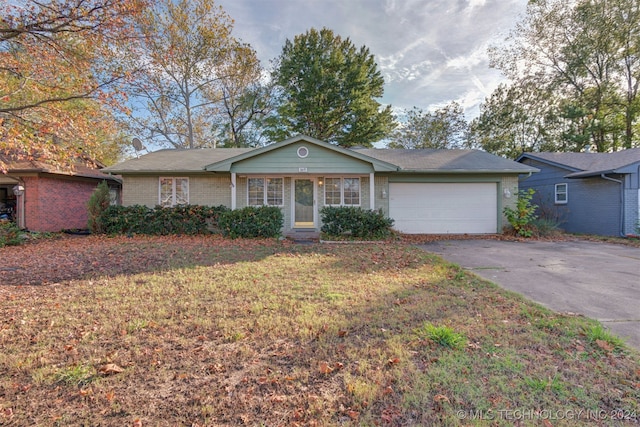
(342, 191)
(174, 191)
(265, 191)
(561, 193)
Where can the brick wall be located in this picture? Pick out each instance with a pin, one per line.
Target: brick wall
(203, 190)
(53, 204)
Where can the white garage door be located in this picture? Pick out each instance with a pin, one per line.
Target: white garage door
(443, 208)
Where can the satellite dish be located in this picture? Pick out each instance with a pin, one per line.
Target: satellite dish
(137, 144)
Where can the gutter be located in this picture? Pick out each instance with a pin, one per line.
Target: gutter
(603, 176)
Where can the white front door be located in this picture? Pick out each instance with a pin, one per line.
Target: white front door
(304, 205)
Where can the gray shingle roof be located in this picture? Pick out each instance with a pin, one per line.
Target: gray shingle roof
(174, 161)
(585, 164)
(432, 160)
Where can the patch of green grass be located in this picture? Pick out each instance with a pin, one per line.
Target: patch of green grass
(442, 335)
(598, 335)
(75, 375)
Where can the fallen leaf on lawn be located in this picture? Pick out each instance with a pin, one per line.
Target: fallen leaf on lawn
(547, 423)
(339, 365)
(110, 369)
(137, 422)
(110, 395)
(440, 398)
(393, 361)
(324, 368)
(604, 345)
(354, 415)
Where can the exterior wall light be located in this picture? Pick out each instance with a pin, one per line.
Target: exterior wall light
(507, 193)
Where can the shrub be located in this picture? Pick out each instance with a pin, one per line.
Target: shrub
(355, 222)
(523, 215)
(183, 219)
(251, 222)
(99, 201)
(10, 234)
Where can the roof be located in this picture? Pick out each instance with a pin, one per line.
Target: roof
(176, 160)
(80, 169)
(588, 164)
(445, 161)
(383, 160)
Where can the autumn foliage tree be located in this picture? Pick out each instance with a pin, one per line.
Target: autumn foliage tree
(60, 70)
(192, 72)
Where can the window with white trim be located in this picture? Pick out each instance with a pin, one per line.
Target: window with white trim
(561, 193)
(265, 191)
(342, 191)
(174, 191)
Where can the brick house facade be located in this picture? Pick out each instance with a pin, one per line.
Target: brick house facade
(51, 200)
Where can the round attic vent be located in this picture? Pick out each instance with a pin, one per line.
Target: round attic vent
(303, 152)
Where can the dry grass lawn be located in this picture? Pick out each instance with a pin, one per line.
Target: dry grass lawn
(203, 331)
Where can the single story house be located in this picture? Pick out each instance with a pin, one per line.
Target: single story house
(589, 193)
(424, 191)
(43, 198)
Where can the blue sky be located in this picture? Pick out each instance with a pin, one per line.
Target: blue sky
(430, 52)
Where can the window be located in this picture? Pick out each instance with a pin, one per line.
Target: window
(561, 193)
(342, 191)
(174, 191)
(265, 191)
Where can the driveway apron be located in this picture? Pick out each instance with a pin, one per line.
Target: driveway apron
(597, 280)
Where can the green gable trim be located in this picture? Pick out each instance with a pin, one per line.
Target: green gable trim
(282, 157)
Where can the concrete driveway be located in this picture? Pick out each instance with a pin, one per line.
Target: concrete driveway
(598, 280)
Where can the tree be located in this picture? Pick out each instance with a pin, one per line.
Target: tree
(192, 69)
(444, 128)
(513, 120)
(245, 99)
(585, 53)
(59, 75)
(327, 89)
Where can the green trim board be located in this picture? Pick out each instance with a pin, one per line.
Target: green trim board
(278, 157)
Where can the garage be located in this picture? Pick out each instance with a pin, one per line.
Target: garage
(444, 208)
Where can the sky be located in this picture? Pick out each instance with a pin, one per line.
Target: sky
(430, 52)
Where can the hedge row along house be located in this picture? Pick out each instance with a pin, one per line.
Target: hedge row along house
(424, 191)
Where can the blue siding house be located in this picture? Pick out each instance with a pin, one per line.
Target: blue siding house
(590, 193)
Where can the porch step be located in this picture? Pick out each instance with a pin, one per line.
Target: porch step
(303, 236)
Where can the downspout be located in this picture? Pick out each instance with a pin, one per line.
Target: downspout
(603, 176)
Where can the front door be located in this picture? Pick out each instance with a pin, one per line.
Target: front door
(304, 206)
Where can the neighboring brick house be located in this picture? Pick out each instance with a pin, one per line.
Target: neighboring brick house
(42, 198)
(588, 193)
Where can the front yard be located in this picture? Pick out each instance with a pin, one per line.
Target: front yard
(195, 331)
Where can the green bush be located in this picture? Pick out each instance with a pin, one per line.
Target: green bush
(10, 234)
(183, 219)
(522, 217)
(251, 222)
(99, 201)
(338, 221)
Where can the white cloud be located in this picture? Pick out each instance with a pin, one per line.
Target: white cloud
(429, 51)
